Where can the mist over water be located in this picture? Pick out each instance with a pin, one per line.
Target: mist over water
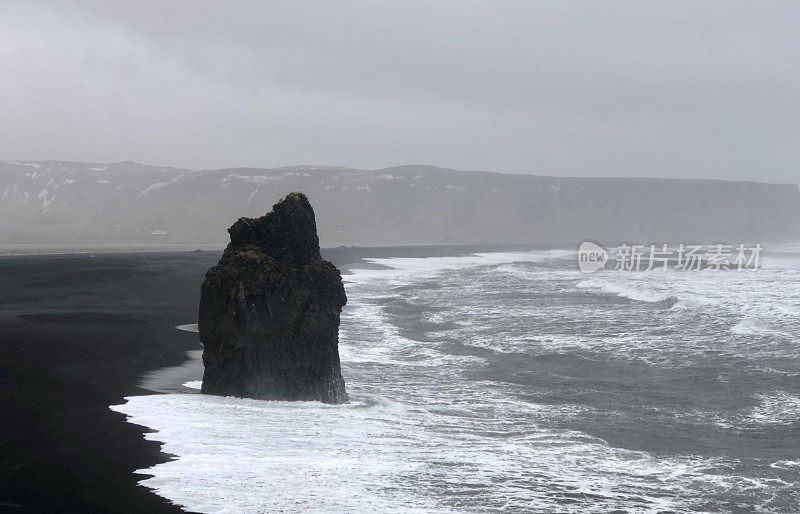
(511, 381)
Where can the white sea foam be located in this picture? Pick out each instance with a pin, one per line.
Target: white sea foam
(193, 384)
(786, 464)
(638, 289)
(778, 408)
(775, 409)
(766, 301)
(417, 437)
(237, 455)
(757, 327)
(191, 327)
(407, 268)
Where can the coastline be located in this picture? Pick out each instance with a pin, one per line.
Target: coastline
(76, 335)
(170, 379)
(79, 333)
(328, 252)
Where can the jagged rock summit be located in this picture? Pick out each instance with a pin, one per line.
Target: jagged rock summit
(269, 311)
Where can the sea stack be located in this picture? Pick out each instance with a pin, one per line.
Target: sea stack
(269, 311)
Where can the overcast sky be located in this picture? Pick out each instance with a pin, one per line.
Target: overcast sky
(669, 89)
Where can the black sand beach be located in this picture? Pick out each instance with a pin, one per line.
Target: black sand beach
(77, 334)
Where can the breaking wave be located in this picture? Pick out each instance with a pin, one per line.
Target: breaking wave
(498, 382)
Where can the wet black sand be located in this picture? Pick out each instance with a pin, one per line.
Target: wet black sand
(77, 334)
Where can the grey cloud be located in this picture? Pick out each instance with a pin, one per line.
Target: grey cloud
(674, 89)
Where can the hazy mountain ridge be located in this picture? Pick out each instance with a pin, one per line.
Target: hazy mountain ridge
(53, 201)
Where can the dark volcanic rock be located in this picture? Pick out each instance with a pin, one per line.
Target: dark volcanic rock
(269, 311)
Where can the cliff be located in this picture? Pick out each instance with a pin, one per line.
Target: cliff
(269, 311)
(58, 202)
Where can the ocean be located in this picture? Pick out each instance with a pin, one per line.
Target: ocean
(511, 381)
